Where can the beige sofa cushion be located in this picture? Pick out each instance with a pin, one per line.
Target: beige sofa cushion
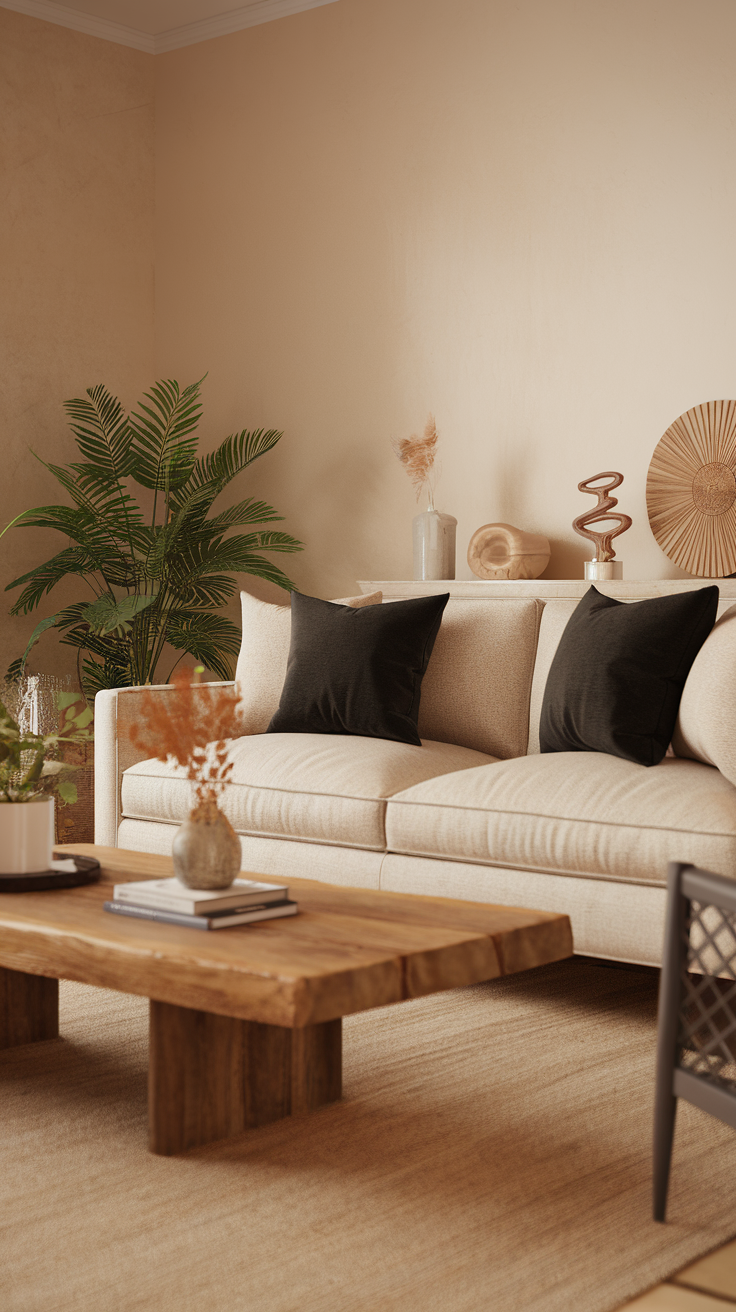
(264, 652)
(552, 626)
(320, 787)
(573, 813)
(476, 689)
(706, 725)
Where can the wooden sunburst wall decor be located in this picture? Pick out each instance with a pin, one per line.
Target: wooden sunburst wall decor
(691, 490)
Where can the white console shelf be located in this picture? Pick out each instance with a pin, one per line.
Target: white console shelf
(545, 589)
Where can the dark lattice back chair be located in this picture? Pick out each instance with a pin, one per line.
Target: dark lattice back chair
(696, 1044)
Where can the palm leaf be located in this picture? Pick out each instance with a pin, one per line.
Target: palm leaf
(107, 615)
(43, 578)
(206, 638)
(100, 426)
(233, 456)
(207, 591)
(243, 512)
(163, 450)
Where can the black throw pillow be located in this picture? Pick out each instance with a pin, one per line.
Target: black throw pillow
(357, 670)
(617, 677)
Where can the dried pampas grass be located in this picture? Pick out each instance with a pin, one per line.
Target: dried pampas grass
(417, 455)
(191, 725)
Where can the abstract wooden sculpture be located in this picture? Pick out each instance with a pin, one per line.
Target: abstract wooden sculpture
(601, 513)
(500, 551)
(691, 490)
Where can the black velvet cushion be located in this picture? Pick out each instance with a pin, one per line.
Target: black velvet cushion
(617, 677)
(357, 671)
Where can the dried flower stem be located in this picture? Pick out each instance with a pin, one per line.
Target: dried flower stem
(191, 725)
(417, 455)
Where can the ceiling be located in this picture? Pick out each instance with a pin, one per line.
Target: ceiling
(159, 25)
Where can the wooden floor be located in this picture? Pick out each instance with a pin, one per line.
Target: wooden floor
(705, 1286)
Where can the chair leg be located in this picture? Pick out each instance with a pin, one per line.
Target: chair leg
(664, 1129)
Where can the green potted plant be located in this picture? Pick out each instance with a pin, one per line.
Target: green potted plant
(159, 563)
(29, 764)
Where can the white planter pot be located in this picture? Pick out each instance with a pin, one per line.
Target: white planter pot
(26, 836)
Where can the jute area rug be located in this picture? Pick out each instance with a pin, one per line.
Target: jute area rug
(491, 1152)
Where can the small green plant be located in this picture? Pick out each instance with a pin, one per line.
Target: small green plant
(158, 567)
(28, 758)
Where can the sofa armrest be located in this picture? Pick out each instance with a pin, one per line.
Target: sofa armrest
(116, 709)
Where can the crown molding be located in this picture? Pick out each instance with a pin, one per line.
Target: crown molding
(235, 20)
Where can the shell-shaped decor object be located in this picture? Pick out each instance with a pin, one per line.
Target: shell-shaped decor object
(691, 490)
(500, 551)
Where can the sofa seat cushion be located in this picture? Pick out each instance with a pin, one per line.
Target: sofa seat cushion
(321, 788)
(572, 813)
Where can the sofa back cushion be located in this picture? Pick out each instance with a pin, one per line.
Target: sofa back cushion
(264, 652)
(552, 626)
(477, 685)
(706, 724)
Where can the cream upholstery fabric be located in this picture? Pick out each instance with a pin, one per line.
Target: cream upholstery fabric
(116, 709)
(320, 787)
(573, 812)
(622, 921)
(280, 857)
(554, 620)
(706, 725)
(477, 685)
(264, 652)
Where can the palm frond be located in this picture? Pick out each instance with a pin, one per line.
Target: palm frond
(267, 541)
(243, 512)
(164, 446)
(97, 675)
(108, 615)
(232, 456)
(100, 426)
(207, 591)
(206, 638)
(74, 560)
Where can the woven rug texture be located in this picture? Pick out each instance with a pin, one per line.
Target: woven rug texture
(491, 1154)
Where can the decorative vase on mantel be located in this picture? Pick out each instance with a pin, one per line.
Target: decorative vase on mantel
(206, 849)
(434, 544)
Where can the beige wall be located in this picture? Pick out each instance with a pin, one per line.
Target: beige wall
(516, 213)
(76, 268)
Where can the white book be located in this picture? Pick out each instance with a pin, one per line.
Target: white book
(170, 895)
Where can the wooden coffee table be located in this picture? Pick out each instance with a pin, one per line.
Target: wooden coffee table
(246, 1023)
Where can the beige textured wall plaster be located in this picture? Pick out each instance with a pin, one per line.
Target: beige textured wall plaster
(516, 213)
(76, 272)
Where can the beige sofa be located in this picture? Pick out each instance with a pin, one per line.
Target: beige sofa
(475, 812)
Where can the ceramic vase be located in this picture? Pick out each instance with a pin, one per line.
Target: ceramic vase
(206, 849)
(434, 545)
(26, 836)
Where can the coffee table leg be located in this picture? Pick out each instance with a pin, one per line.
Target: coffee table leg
(211, 1077)
(29, 1008)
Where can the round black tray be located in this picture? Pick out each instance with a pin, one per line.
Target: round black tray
(87, 872)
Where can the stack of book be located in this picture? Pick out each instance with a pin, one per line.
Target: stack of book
(169, 901)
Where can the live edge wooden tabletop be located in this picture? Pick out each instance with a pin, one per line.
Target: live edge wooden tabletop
(348, 950)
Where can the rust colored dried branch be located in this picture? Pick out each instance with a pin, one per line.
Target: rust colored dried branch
(190, 725)
(417, 455)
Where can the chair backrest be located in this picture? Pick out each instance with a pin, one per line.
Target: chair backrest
(698, 990)
(696, 1039)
